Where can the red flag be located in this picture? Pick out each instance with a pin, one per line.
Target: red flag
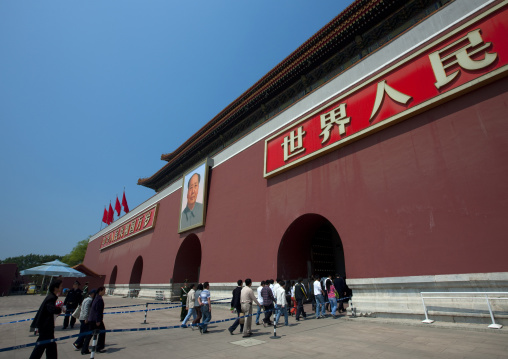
(110, 214)
(118, 208)
(124, 203)
(105, 216)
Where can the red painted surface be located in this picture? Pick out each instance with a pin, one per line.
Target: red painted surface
(9, 276)
(415, 78)
(426, 196)
(122, 231)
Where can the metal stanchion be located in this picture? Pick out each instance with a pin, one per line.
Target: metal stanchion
(493, 325)
(274, 331)
(274, 325)
(427, 320)
(146, 313)
(94, 343)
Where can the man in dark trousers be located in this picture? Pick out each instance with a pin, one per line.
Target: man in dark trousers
(73, 299)
(45, 322)
(96, 322)
(300, 297)
(340, 287)
(268, 301)
(235, 303)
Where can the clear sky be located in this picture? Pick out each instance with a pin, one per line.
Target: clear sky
(93, 92)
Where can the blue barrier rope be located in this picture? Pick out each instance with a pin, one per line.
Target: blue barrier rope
(15, 347)
(132, 311)
(10, 315)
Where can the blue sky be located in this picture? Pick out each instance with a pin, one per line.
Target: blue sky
(93, 92)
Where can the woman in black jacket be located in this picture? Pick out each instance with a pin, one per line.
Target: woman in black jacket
(44, 321)
(95, 320)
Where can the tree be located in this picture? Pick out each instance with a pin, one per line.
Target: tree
(31, 260)
(77, 254)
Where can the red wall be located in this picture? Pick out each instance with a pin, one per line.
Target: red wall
(426, 196)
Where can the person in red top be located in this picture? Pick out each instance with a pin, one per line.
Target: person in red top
(330, 290)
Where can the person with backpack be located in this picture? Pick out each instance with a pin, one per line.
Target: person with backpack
(300, 297)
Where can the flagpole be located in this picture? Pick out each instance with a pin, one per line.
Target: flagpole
(102, 220)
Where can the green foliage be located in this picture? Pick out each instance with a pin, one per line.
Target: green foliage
(77, 254)
(31, 260)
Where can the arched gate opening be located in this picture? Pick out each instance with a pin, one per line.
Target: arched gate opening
(311, 245)
(188, 260)
(136, 273)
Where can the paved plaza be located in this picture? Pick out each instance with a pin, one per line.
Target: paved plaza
(342, 337)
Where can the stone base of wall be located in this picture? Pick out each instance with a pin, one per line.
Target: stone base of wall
(399, 297)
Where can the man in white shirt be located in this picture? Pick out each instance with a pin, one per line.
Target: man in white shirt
(260, 300)
(320, 299)
(274, 291)
(281, 303)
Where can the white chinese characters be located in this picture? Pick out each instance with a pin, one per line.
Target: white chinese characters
(397, 96)
(462, 57)
(337, 117)
(293, 144)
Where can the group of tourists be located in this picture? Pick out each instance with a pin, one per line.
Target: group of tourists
(87, 306)
(196, 303)
(278, 298)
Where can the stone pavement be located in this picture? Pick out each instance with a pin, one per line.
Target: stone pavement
(342, 337)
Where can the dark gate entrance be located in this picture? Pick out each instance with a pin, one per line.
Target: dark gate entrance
(187, 263)
(311, 245)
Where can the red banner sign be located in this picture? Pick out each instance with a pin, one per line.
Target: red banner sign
(142, 222)
(469, 57)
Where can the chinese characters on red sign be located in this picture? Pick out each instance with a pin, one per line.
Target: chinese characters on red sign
(470, 56)
(134, 226)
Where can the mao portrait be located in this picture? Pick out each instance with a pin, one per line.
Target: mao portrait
(192, 210)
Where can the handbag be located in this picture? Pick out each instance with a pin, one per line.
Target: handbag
(77, 312)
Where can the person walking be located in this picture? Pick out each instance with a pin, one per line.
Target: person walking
(340, 287)
(206, 308)
(268, 300)
(83, 319)
(85, 291)
(246, 299)
(320, 299)
(72, 300)
(96, 322)
(300, 297)
(197, 306)
(236, 305)
(190, 306)
(183, 299)
(282, 305)
(260, 301)
(44, 321)
(310, 291)
(331, 292)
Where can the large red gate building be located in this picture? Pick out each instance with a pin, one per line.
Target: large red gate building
(378, 149)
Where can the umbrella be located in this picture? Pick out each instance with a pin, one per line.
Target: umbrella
(53, 268)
